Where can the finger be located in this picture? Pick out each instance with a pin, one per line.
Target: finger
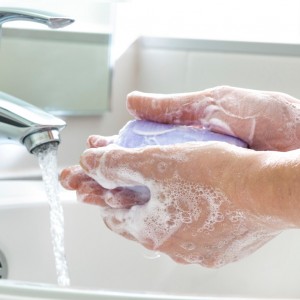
(114, 225)
(116, 198)
(123, 197)
(129, 223)
(95, 141)
(149, 224)
(186, 108)
(71, 177)
(115, 167)
(89, 191)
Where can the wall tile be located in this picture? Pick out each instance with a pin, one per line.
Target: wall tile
(279, 73)
(161, 71)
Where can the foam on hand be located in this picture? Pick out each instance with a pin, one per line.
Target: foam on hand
(198, 219)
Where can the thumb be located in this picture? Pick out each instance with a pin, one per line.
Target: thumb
(185, 108)
(115, 167)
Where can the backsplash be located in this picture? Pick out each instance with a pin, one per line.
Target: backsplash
(174, 65)
(162, 69)
(16, 162)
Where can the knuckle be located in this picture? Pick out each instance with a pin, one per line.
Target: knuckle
(221, 90)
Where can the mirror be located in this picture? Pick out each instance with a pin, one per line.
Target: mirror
(65, 71)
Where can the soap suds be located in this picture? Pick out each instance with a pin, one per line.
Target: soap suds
(176, 206)
(279, 120)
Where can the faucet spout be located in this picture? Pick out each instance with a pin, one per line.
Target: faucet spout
(50, 19)
(26, 124)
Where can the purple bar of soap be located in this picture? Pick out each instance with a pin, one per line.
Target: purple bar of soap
(139, 133)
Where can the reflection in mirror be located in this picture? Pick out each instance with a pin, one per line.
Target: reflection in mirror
(65, 71)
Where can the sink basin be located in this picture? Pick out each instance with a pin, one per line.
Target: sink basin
(103, 265)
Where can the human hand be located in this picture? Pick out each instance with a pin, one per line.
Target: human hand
(208, 205)
(265, 120)
(91, 192)
(245, 218)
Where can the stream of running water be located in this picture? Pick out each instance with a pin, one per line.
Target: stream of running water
(47, 157)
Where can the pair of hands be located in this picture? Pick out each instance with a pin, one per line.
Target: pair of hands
(207, 203)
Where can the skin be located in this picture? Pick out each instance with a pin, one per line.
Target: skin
(265, 120)
(209, 203)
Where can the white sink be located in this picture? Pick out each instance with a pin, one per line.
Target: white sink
(103, 265)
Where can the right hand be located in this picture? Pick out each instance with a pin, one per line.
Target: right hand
(265, 120)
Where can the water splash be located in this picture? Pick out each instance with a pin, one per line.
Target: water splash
(47, 157)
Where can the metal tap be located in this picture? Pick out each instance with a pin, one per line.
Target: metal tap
(21, 122)
(50, 19)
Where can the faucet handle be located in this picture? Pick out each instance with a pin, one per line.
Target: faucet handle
(52, 20)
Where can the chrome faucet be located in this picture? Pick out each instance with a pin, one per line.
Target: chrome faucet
(21, 122)
(52, 20)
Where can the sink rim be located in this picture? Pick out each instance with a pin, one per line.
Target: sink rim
(24, 290)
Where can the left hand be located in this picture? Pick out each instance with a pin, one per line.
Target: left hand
(209, 203)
